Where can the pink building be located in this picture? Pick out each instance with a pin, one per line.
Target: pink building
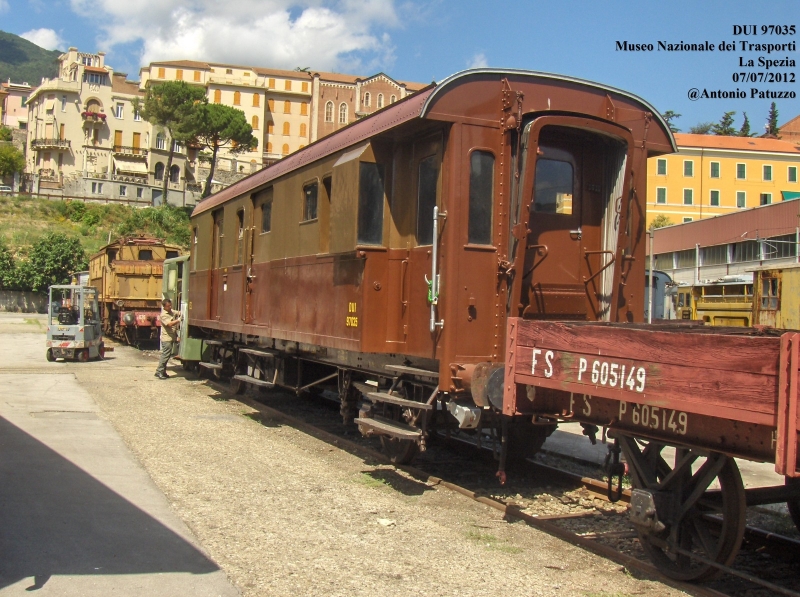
(14, 108)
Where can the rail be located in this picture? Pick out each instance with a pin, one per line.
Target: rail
(50, 143)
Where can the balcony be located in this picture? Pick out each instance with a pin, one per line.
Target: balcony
(39, 144)
(130, 151)
(92, 117)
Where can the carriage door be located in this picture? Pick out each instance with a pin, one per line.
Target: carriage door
(564, 242)
(216, 262)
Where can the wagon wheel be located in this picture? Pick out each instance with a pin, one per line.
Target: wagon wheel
(700, 512)
(400, 451)
(794, 505)
(526, 439)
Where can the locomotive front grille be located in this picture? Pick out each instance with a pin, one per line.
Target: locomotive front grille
(63, 337)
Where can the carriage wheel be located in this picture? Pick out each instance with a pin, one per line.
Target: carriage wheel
(700, 509)
(794, 505)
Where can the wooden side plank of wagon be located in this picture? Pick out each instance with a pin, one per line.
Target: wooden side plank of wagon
(746, 379)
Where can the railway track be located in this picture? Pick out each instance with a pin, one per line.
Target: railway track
(570, 506)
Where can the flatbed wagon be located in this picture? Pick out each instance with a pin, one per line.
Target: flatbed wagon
(711, 394)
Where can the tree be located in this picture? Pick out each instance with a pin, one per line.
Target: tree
(745, 130)
(170, 106)
(725, 125)
(702, 128)
(5, 134)
(7, 268)
(660, 221)
(215, 126)
(772, 121)
(669, 116)
(11, 160)
(52, 260)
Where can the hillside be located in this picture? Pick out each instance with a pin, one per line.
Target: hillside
(25, 62)
(24, 220)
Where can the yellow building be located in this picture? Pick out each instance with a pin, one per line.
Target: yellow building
(713, 175)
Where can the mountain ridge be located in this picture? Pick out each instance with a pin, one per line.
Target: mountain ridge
(24, 62)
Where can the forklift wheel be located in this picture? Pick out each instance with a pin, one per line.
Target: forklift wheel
(83, 355)
(50, 357)
(101, 352)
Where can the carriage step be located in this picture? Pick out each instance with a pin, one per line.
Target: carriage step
(381, 426)
(398, 400)
(364, 388)
(260, 352)
(252, 380)
(215, 366)
(403, 370)
(213, 343)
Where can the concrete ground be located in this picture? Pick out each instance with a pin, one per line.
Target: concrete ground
(281, 512)
(78, 513)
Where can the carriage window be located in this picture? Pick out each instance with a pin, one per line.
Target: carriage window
(769, 293)
(481, 183)
(194, 248)
(112, 255)
(145, 254)
(220, 223)
(266, 216)
(172, 254)
(553, 192)
(240, 236)
(310, 202)
(426, 199)
(370, 204)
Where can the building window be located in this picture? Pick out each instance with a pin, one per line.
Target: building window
(94, 78)
(270, 128)
(287, 107)
(256, 100)
(288, 85)
(791, 174)
(780, 247)
(24, 101)
(366, 99)
(688, 168)
(303, 129)
(217, 96)
(370, 204)
(661, 195)
(271, 105)
(285, 128)
(741, 199)
(139, 192)
(137, 116)
(285, 149)
(767, 173)
(228, 71)
(714, 169)
(161, 73)
(159, 171)
(481, 195)
(86, 60)
(664, 261)
(119, 109)
(687, 220)
(271, 84)
(266, 216)
(310, 202)
(765, 199)
(714, 255)
(197, 75)
(123, 191)
(687, 258)
(741, 171)
(97, 188)
(161, 141)
(343, 113)
(269, 147)
(254, 122)
(661, 167)
(714, 199)
(380, 101)
(393, 99)
(329, 112)
(304, 109)
(179, 74)
(237, 98)
(175, 174)
(688, 196)
(63, 103)
(749, 250)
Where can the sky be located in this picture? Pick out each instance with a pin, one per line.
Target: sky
(427, 40)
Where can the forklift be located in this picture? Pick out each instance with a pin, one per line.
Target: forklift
(74, 328)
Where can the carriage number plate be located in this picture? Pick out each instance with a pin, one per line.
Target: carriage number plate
(654, 417)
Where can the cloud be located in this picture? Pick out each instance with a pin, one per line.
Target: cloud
(325, 35)
(3, 5)
(478, 61)
(44, 38)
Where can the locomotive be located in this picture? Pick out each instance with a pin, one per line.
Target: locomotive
(127, 274)
(384, 260)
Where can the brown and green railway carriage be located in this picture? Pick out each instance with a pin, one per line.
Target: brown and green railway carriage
(539, 184)
(127, 274)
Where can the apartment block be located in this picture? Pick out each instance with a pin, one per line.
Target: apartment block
(713, 175)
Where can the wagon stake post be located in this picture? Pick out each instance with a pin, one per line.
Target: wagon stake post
(614, 468)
